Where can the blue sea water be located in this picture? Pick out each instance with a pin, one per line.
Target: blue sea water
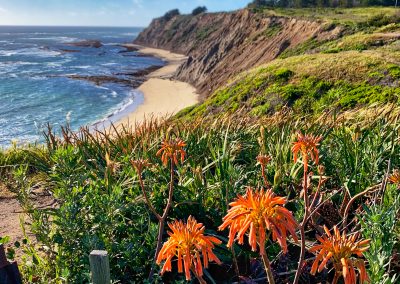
(35, 89)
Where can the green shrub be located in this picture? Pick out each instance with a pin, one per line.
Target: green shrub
(380, 224)
(101, 207)
(394, 71)
(283, 74)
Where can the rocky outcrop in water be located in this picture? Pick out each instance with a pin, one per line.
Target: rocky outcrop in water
(131, 79)
(221, 45)
(86, 43)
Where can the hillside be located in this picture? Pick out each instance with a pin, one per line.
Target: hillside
(340, 57)
(224, 44)
(281, 187)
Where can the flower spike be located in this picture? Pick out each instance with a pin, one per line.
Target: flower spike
(188, 243)
(172, 150)
(394, 178)
(344, 252)
(256, 212)
(307, 146)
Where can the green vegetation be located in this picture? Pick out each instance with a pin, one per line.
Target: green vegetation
(273, 29)
(199, 10)
(379, 224)
(345, 90)
(357, 68)
(309, 84)
(100, 204)
(205, 32)
(170, 15)
(339, 15)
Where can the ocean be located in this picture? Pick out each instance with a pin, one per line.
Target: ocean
(36, 88)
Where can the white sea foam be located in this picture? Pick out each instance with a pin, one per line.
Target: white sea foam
(17, 63)
(61, 39)
(130, 34)
(38, 52)
(102, 88)
(83, 67)
(68, 116)
(116, 113)
(109, 64)
(128, 102)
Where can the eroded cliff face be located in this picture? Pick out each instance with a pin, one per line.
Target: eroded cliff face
(222, 45)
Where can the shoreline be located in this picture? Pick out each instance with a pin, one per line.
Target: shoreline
(162, 95)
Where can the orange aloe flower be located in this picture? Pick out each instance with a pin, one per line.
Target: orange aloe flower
(258, 211)
(263, 160)
(187, 242)
(395, 178)
(340, 249)
(307, 146)
(173, 150)
(140, 164)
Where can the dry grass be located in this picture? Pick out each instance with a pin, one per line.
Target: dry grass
(338, 15)
(368, 39)
(5, 193)
(352, 66)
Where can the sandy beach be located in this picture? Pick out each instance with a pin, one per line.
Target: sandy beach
(163, 96)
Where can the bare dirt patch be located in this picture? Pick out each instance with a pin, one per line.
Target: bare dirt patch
(11, 213)
(10, 219)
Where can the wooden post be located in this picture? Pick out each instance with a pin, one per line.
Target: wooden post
(99, 267)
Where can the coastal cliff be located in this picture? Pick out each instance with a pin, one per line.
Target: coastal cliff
(308, 60)
(222, 45)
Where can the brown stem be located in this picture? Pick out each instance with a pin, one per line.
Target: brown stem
(336, 278)
(267, 266)
(234, 259)
(266, 183)
(302, 254)
(152, 209)
(199, 278)
(235, 263)
(317, 192)
(161, 222)
(346, 211)
(303, 225)
(171, 191)
(305, 188)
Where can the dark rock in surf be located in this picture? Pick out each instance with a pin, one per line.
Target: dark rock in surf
(86, 43)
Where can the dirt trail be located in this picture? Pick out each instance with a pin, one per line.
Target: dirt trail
(10, 218)
(11, 213)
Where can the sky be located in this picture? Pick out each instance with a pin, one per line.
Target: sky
(123, 13)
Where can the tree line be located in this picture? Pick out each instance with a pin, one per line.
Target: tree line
(257, 4)
(320, 3)
(175, 12)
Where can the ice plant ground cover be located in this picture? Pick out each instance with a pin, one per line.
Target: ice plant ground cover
(114, 192)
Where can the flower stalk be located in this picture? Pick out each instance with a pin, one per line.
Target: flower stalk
(190, 246)
(172, 152)
(256, 212)
(307, 147)
(345, 252)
